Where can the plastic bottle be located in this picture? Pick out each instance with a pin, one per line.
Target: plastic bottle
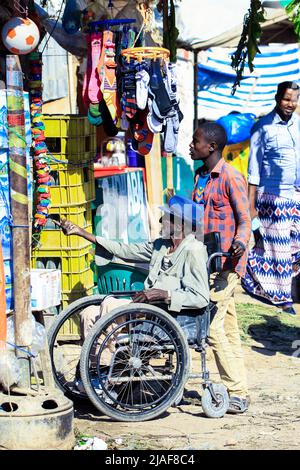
(134, 159)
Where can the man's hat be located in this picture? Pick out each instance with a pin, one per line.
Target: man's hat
(185, 209)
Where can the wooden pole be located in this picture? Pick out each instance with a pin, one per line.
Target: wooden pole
(19, 211)
(154, 185)
(3, 323)
(196, 83)
(169, 167)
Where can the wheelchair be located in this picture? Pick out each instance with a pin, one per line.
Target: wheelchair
(135, 361)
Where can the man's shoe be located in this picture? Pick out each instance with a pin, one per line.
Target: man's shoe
(237, 405)
(289, 310)
(79, 386)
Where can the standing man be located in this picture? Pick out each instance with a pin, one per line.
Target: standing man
(226, 211)
(274, 195)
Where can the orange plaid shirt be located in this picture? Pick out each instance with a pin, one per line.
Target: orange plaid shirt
(227, 211)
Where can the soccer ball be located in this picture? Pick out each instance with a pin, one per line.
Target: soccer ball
(20, 35)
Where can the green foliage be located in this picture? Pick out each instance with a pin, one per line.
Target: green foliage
(293, 10)
(248, 44)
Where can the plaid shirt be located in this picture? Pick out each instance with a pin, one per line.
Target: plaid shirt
(227, 211)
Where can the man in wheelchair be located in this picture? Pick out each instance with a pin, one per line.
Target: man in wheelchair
(177, 276)
(140, 353)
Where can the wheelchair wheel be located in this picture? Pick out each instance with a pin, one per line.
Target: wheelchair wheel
(65, 345)
(211, 408)
(142, 361)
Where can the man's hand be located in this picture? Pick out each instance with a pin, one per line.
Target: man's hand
(140, 297)
(68, 227)
(237, 250)
(151, 295)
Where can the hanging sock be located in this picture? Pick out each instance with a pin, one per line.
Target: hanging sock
(94, 92)
(109, 83)
(100, 66)
(88, 72)
(128, 100)
(94, 115)
(108, 124)
(154, 122)
(142, 87)
(142, 135)
(157, 91)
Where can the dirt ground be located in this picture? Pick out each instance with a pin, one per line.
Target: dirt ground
(272, 356)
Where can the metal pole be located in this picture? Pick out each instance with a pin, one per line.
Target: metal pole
(196, 82)
(19, 211)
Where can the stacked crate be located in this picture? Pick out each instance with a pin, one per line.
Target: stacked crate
(71, 142)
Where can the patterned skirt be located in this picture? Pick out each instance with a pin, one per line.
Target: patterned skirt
(275, 258)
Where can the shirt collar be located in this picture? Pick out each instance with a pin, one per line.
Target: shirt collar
(218, 168)
(277, 119)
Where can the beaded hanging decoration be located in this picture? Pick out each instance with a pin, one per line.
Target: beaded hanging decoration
(41, 160)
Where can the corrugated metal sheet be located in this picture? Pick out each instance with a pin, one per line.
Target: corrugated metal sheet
(275, 64)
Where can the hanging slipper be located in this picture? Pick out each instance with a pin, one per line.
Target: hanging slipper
(94, 92)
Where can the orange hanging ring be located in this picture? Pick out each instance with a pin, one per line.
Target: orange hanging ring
(139, 53)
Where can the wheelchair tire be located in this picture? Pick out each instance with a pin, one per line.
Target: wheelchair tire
(64, 375)
(150, 365)
(210, 407)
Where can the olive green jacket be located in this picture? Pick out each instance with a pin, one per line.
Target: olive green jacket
(186, 278)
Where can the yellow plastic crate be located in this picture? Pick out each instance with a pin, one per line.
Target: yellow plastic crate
(68, 298)
(71, 186)
(74, 159)
(71, 327)
(67, 125)
(71, 145)
(67, 260)
(52, 239)
(72, 282)
(79, 214)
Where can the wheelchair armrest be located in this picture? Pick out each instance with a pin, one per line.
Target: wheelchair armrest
(122, 293)
(217, 254)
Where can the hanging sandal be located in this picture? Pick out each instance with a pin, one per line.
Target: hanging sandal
(237, 405)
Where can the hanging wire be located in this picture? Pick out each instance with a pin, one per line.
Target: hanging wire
(111, 6)
(55, 24)
(18, 7)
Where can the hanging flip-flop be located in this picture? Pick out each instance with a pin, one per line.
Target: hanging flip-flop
(94, 91)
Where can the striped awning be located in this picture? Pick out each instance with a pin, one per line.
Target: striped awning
(275, 64)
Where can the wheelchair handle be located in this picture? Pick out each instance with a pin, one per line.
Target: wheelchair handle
(218, 254)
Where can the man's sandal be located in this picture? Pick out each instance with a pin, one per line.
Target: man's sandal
(237, 405)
